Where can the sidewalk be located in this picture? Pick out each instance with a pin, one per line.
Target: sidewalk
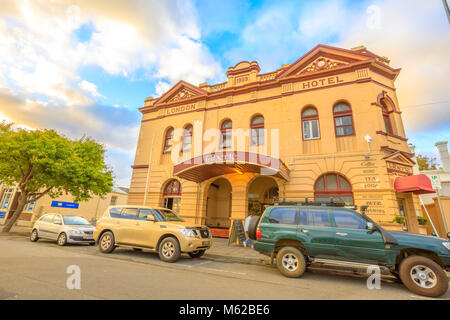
(220, 249)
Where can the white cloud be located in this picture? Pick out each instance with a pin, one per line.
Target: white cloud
(90, 88)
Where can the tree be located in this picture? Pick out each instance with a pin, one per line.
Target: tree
(426, 163)
(40, 162)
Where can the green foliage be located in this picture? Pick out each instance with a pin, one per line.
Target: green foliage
(426, 163)
(422, 221)
(42, 161)
(399, 219)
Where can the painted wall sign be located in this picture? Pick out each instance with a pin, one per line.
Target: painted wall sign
(2, 214)
(435, 181)
(62, 204)
(179, 109)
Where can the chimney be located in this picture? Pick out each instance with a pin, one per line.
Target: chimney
(416, 166)
(443, 154)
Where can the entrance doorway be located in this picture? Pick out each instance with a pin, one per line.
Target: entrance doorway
(172, 196)
(261, 193)
(218, 204)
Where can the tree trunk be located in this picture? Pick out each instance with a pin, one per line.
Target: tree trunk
(16, 214)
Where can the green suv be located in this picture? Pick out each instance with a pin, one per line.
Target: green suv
(296, 235)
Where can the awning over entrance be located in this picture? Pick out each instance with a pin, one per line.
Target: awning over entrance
(418, 184)
(212, 165)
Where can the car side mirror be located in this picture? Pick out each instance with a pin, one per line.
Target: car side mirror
(150, 218)
(370, 226)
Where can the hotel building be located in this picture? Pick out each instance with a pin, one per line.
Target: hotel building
(327, 126)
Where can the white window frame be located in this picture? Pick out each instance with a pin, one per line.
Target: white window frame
(8, 192)
(310, 129)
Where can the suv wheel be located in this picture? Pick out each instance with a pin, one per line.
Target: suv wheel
(423, 276)
(291, 262)
(62, 239)
(106, 243)
(34, 236)
(169, 250)
(196, 254)
(252, 226)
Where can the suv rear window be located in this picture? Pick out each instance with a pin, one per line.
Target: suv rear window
(283, 215)
(317, 217)
(114, 212)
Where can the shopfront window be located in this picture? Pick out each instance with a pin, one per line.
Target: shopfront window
(343, 120)
(333, 187)
(226, 134)
(257, 130)
(5, 202)
(187, 138)
(310, 124)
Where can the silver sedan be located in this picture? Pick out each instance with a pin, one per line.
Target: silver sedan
(64, 228)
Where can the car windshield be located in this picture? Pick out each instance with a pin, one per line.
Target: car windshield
(75, 220)
(168, 215)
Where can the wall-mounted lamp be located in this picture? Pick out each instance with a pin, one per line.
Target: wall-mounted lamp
(368, 140)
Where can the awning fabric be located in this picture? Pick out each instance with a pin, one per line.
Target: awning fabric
(418, 184)
(207, 166)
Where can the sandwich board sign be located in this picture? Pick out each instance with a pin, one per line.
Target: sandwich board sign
(435, 181)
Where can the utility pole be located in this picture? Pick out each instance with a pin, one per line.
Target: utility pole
(447, 10)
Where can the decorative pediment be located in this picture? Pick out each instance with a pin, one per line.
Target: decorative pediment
(181, 91)
(322, 64)
(400, 158)
(323, 58)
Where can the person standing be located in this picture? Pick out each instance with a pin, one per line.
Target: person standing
(247, 223)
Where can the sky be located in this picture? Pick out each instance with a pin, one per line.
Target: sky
(84, 67)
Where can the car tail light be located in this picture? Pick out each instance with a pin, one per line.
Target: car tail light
(258, 233)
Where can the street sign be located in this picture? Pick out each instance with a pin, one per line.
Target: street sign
(62, 204)
(435, 181)
(2, 214)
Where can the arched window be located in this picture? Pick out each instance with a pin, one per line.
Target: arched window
(226, 134)
(333, 186)
(387, 117)
(257, 130)
(310, 123)
(343, 120)
(172, 195)
(168, 139)
(187, 138)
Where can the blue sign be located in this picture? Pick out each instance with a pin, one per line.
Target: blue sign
(62, 204)
(2, 214)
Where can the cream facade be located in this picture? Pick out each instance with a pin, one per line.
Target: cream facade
(327, 126)
(91, 209)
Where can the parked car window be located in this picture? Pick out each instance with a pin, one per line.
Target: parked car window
(348, 220)
(167, 215)
(317, 217)
(47, 218)
(75, 220)
(115, 212)
(143, 213)
(283, 215)
(57, 220)
(130, 213)
(303, 219)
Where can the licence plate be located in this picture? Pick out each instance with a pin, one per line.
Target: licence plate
(88, 237)
(205, 243)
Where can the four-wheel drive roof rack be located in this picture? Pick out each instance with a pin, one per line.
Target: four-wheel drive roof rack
(306, 202)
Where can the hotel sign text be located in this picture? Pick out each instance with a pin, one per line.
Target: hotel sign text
(321, 82)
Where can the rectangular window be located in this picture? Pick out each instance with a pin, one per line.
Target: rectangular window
(113, 201)
(187, 141)
(6, 199)
(344, 126)
(115, 212)
(318, 218)
(311, 129)
(283, 215)
(30, 205)
(257, 136)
